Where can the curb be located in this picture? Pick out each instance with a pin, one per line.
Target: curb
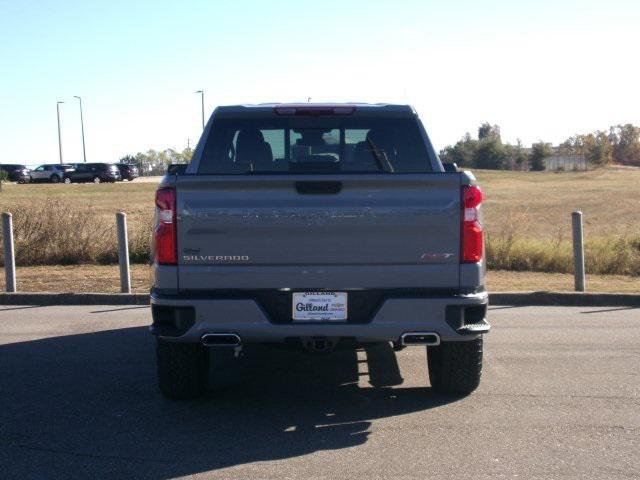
(46, 299)
(565, 299)
(557, 299)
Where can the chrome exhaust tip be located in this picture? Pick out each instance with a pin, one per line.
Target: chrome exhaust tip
(430, 339)
(221, 340)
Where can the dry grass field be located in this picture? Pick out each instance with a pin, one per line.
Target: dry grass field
(527, 215)
(70, 224)
(528, 218)
(104, 199)
(540, 203)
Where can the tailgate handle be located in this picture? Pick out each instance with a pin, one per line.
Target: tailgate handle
(318, 187)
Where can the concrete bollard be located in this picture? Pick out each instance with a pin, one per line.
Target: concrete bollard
(578, 251)
(9, 253)
(123, 252)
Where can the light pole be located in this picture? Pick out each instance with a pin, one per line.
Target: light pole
(59, 135)
(84, 152)
(201, 92)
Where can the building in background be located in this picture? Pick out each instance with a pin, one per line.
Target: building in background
(557, 162)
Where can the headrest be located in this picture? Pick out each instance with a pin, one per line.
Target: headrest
(250, 136)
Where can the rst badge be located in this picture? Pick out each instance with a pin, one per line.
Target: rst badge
(438, 257)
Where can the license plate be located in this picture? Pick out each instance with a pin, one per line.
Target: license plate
(319, 306)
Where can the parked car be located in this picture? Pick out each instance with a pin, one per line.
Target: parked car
(318, 227)
(16, 173)
(54, 173)
(94, 172)
(128, 171)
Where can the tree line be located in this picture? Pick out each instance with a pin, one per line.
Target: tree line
(155, 162)
(620, 144)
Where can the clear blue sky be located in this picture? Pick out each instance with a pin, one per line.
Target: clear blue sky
(540, 69)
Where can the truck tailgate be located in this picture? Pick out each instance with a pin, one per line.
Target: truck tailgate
(318, 231)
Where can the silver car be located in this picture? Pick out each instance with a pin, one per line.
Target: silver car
(54, 173)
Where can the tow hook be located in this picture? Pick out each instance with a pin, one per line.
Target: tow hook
(319, 344)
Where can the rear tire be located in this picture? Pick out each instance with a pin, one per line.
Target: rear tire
(182, 369)
(96, 179)
(55, 179)
(67, 180)
(455, 367)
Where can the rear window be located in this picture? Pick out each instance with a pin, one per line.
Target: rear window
(318, 145)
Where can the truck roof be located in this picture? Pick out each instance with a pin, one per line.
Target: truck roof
(288, 109)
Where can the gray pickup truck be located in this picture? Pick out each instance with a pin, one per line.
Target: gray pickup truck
(317, 226)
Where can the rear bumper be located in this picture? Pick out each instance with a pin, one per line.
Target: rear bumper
(187, 319)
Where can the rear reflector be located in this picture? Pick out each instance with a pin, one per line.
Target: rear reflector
(165, 231)
(472, 242)
(315, 110)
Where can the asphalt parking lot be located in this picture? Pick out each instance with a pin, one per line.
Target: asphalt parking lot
(560, 398)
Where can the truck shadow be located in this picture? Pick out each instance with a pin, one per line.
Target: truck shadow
(89, 403)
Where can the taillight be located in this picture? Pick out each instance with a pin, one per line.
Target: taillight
(166, 229)
(472, 241)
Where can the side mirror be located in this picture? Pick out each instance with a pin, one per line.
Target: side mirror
(450, 167)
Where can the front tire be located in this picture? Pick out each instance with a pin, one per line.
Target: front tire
(182, 369)
(455, 367)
